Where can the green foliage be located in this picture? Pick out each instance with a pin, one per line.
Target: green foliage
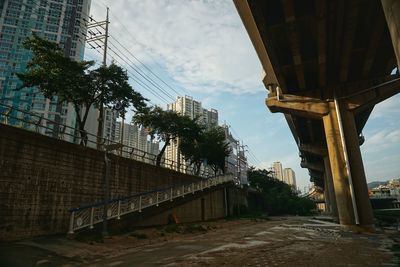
(75, 82)
(196, 143)
(53, 73)
(208, 146)
(215, 148)
(387, 216)
(109, 86)
(167, 126)
(139, 235)
(276, 197)
(186, 228)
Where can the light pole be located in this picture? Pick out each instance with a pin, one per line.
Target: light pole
(106, 180)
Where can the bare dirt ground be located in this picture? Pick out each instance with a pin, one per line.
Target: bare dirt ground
(284, 241)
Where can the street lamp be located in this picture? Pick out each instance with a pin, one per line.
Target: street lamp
(107, 149)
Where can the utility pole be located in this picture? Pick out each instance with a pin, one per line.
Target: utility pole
(121, 136)
(98, 36)
(238, 159)
(106, 178)
(101, 108)
(105, 41)
(239, 175)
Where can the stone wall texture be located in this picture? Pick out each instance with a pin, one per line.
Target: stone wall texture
(41, 178)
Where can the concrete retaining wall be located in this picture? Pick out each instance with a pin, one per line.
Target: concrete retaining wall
(41, 178)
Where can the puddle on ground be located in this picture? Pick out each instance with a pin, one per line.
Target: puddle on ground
(302, 238)
(248, 244)
(263, 233)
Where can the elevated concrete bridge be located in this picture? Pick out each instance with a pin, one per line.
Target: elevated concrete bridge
(326, 64)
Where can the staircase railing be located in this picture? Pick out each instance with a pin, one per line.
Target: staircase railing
(88, 216)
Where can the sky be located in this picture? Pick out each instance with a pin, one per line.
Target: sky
(201, 48)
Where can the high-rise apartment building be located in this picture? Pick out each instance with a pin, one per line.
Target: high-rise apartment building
(277, 168)
(289, 177)
(61, 21)
(187, 106)
(137, 138)
(127, 134)
(110, 124)
(210, 117)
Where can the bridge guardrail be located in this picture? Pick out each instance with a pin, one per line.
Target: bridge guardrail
(88, 216)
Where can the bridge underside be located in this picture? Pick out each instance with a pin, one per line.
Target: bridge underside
(326, 64)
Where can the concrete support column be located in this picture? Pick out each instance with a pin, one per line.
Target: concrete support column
(327, 197)
(339, 171)
(329, 187)
(357, 171)
(391, 8)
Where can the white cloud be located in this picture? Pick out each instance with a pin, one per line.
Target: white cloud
(202, 44)
(387, 109)
(381, 140)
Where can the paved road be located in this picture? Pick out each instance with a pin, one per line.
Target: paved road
(290, 241)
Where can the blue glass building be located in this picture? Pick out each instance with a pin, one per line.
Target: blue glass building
(62, 21)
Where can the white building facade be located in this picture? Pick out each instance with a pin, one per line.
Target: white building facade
(136, 137)
(277, 169)
(187, 106)
(289, 177)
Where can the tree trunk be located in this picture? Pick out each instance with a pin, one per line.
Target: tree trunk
(81, 124)
(83, 133)
(198, 166)
(215, 169)
(159, 156)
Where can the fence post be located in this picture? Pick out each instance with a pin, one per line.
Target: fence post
(91, 217)
(71, 223)
(183, 190)
(140, 203)
(119, 210)
(157, 199)
(170, 196)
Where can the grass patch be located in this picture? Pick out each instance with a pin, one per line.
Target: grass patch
(138, 235)
(249, 215)
(396, 250)
(386, 217)
(90, 237)
(186, 228)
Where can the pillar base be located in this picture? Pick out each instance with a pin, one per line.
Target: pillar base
(359, 229)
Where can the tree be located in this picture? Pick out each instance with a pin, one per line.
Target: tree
(215, 148)
(192, 149)
(209, 146)
(277, 197)
(167, 126)
(109, 87)
(76, 82)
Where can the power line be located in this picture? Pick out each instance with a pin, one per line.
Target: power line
(131, 65)
(141, 75)
(150, 80)
(185, 92)
(135, 78)
(144, 65)
(251, 154)
(135, 67)
(138, 81)
(182, 90)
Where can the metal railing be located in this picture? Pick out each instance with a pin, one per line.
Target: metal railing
(27, 120)
(88, 216)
